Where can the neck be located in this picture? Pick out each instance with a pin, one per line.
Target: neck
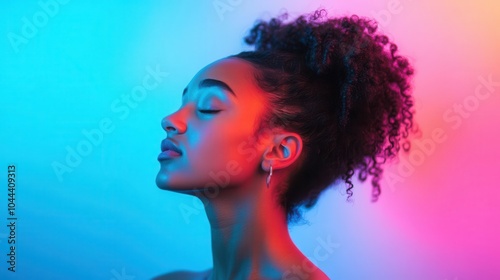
(249, 231)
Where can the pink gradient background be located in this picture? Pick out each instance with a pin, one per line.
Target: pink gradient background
(441, 221)
(448, 208)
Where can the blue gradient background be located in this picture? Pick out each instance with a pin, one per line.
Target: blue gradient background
(106, 219)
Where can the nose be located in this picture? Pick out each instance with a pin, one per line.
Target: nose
(173, 125)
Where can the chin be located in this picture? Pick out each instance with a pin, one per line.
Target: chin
(163, 182)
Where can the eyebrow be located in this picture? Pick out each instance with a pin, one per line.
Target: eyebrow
(212, 83)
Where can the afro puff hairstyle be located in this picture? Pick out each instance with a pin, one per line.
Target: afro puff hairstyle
(340, 85)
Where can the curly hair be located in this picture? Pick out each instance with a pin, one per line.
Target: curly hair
(340, 85)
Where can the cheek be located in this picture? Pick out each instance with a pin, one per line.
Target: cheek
(225, 155)
(206, 145)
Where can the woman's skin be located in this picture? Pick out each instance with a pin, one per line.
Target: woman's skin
(225, 164)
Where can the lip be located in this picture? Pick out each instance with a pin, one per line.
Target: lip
(169, 150)
(168, 154)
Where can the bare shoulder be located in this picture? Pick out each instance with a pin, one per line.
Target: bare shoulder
(184, 275)
(320, 275)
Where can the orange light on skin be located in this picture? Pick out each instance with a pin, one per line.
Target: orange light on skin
(226, 165)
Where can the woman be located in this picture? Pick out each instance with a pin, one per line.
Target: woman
(261, 134)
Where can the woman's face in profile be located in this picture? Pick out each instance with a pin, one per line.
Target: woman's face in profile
(214, 129)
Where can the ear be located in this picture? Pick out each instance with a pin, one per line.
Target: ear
(284, 149)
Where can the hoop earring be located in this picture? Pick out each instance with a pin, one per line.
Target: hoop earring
(268, 180)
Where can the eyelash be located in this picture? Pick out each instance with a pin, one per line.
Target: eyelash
(209, 111)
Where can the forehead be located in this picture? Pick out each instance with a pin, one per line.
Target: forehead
(237, 73)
